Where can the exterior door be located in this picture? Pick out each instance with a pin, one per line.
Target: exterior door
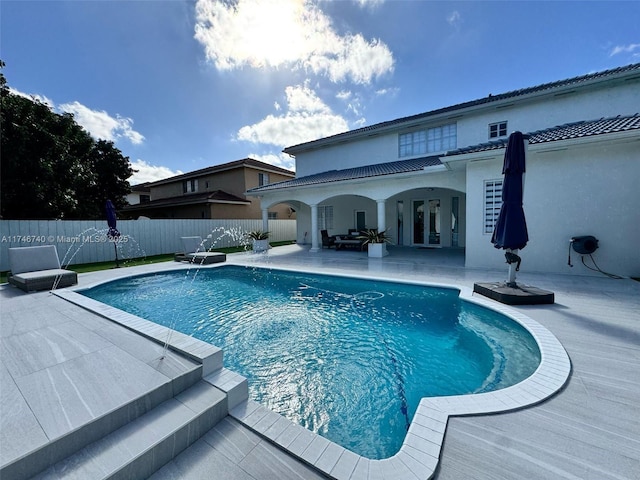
(361, 220)
(455, 221)
(418, 222)
(400, 222)
(434, 222)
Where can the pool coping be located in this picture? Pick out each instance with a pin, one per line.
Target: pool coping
(420, 452)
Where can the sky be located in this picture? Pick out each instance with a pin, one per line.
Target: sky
(183, 85)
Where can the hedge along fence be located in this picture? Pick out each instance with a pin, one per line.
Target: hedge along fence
(85, 241)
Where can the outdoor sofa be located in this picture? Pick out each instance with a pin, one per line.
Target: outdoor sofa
(38, 268)
(194, 252)
(351, 240)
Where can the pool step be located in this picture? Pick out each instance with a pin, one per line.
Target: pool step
(231, 383)
(141, 447)
(102, 425)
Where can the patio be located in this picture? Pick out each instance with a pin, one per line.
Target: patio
(57, 354)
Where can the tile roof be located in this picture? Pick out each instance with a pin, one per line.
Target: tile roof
(568, 83)
(390, 168)
(245, 162)
(189, 199)
(562, 132)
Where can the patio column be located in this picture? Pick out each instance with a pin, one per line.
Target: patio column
(314, 229)
(382, 220)
(265, 220)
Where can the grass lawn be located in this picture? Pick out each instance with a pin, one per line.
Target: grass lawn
(93, 267)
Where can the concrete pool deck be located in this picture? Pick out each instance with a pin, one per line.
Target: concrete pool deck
(591, 429)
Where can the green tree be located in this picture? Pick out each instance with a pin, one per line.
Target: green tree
(51, 167)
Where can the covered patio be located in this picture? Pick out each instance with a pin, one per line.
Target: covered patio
(418, 202)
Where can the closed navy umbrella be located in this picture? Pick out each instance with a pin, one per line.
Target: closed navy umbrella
(510, 232)
(113, 232)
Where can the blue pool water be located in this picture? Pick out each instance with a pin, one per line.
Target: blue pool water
(349, 359)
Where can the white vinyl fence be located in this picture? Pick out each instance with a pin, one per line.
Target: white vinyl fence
(85, 241)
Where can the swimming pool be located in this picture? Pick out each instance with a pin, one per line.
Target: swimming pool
(347, 358)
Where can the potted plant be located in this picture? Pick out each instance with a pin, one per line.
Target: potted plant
(260, 240)
(376, 242)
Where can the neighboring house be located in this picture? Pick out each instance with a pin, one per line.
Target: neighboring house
(216, 192)
(434, 179)
(140, 193)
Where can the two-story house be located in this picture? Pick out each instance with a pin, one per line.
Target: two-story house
(216, 192)
(434, 179)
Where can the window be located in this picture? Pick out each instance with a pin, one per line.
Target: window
(414, 143)
(427, 141)
(492, 203)
(145, 198)
(497, 130)
(190, 186)
(272, 215)
(441, 138)
(263, 179)
(325, 217)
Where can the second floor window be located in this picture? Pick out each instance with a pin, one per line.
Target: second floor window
(414, 143)
(497, 130)
(432, 140)
(190, 186)
(442, 138)
(263, 179)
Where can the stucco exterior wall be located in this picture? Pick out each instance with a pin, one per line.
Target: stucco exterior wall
(472, 127)
(251, 178)
(530, 116)
(166, 190)
(378, 149)
(587, 190)
(231, 181)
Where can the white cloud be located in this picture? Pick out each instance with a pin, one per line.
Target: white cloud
(99, 124)
(281, 160)
(286, 33)
(454, 19)
(307, 118)
(353, 102)
(344, 95)
(102, 125)
(631, 48)
(387, 91)
(303, 99)
(36, 97)
(149, 173)
(370, 3)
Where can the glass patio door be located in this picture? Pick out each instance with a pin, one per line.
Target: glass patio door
(434, 222)
(455, 221)
(400, 222)
(418, 222)
(361, 220)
